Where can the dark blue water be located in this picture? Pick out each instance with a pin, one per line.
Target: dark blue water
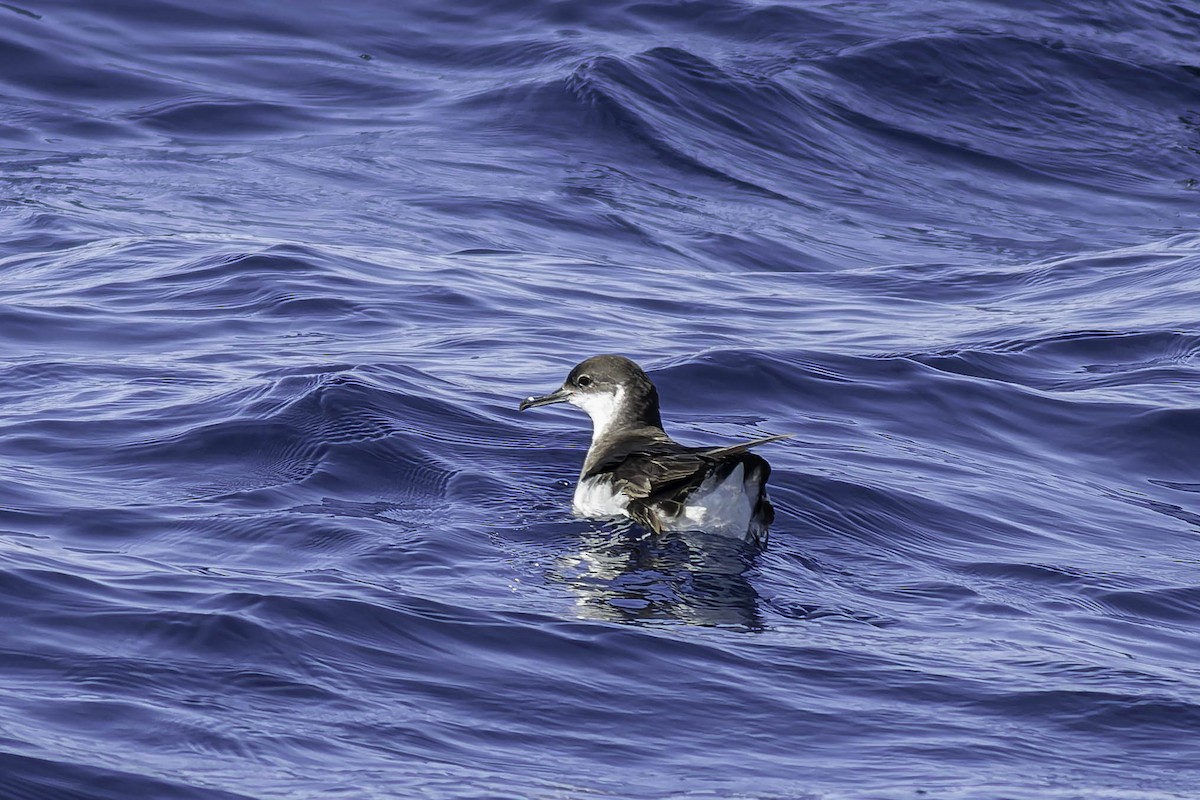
(273, 278)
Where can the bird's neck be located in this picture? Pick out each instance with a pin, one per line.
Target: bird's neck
(621, 410)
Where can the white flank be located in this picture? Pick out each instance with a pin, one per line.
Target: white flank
(719, 508)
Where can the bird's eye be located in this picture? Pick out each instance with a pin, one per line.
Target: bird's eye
(584, 381)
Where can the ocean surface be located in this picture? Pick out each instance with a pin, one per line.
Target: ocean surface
(274, 276)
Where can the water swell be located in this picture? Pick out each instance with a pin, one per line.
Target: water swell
(274, 285)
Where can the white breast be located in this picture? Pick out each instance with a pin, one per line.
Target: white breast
(594, 497)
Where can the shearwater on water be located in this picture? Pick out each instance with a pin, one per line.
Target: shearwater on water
(633, 468)
(276, 277)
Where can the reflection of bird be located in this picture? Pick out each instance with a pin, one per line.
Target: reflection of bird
(634, 469)
(675, 577)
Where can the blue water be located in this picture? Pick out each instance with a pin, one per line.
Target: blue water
(273, 278)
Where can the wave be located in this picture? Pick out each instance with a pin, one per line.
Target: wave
(275, 282)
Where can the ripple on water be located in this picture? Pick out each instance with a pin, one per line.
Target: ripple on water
(275, 282)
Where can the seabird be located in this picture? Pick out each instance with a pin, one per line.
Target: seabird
(634, 469)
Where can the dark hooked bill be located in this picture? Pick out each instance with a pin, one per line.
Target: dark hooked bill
(554, 397)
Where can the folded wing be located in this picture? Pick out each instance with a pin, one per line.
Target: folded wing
(658, 474)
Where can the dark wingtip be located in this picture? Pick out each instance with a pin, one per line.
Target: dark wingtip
(745, 447)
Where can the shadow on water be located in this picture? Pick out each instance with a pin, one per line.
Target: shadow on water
(620, 575)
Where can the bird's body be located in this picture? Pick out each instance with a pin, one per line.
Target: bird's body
(633, 468)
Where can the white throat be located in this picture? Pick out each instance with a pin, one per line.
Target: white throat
(602, 407)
